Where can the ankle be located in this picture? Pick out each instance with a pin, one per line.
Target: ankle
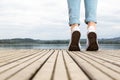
(73, 26)
(91, 24)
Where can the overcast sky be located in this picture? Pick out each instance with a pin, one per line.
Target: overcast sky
(48, 19)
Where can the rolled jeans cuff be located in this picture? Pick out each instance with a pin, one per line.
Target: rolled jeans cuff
(90, 20)
(74, 21)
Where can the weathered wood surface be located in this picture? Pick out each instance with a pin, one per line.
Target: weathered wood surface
(50, 64)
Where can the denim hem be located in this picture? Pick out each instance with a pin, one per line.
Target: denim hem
(87, 21)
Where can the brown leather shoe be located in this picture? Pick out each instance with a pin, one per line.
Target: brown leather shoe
(92, 42)
(75, 41)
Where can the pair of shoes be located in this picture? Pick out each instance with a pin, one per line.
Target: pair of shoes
(92, 43)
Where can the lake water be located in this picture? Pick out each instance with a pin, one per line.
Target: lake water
(55, 46)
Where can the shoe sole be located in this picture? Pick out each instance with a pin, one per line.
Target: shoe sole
(74, 45)
(93, 44)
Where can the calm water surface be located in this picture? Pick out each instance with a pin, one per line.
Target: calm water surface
(55, 46)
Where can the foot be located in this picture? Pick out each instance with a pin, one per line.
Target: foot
(92, 43)
(75, 37)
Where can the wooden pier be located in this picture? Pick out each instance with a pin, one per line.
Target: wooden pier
(50, 64)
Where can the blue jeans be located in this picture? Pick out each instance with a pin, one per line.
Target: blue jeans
(74, 11)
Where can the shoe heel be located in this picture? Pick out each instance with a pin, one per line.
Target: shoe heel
(74, 43)
(92, 42)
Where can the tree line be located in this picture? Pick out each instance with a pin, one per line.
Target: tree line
(33, 41)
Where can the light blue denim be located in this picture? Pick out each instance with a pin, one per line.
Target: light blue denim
(74, 11)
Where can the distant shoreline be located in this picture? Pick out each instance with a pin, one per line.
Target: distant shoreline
(29, 41)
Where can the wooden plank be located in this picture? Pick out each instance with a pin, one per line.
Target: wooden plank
(74, 71)
(102, 58)
(59, 65)
(13, 55)
(102, 62)
(115, 53)
(47, 69)
(108, 56)
(16, 63)
(60, 71)
(4, 53)
(107, 71)
(24, 55)
(15, 70)
(10, 54)
(90, 70)
(32, 69)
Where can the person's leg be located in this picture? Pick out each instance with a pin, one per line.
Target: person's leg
(74, 22)
(91, 20)
(74, 12)
(91, 12)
